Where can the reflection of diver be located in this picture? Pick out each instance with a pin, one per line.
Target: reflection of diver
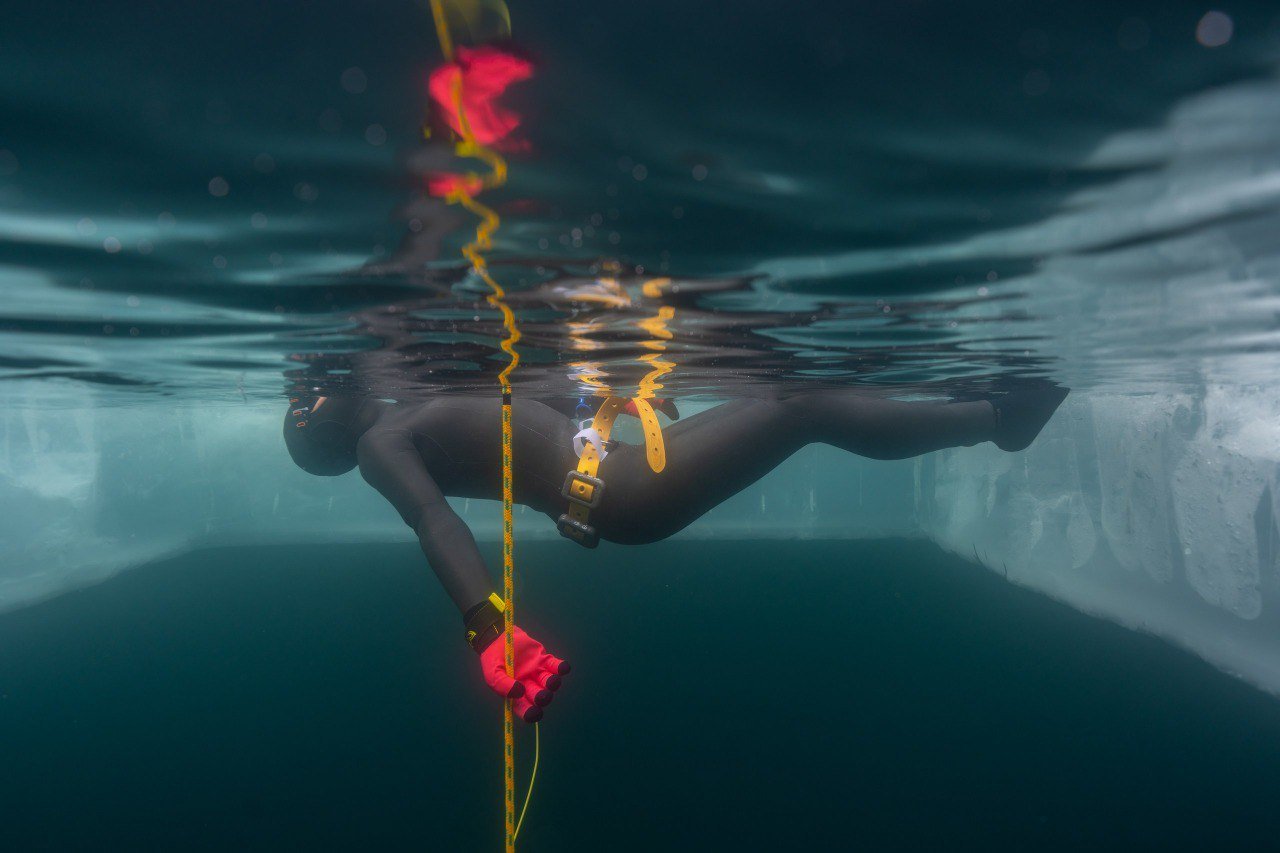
(415, 454)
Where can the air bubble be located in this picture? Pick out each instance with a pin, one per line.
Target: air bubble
(354, 80)
(1215, 29)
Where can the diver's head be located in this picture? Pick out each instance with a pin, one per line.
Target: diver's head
(321, 433)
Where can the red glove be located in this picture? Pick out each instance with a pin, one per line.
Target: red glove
(537, 674)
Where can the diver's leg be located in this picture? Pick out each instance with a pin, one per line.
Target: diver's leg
(710, 456)
(893, 429)
(715, 454)
(890, 429)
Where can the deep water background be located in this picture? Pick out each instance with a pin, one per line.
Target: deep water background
(881, 695)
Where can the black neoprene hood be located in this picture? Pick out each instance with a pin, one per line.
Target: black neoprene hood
(319, 433)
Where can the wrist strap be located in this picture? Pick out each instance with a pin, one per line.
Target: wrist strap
(484, 623)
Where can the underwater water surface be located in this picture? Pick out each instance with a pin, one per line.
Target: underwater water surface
(944, 193)
(208, 209)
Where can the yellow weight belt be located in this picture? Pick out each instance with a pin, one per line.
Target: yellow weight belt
(583, 489)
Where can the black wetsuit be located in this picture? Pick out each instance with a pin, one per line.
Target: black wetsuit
(416, 454)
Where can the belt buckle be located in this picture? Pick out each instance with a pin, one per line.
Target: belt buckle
(579, 531)
(571, 481)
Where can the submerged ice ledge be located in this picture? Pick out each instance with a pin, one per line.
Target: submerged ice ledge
(1155, 511)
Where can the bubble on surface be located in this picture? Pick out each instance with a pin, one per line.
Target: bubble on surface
(1215, 29)
(354, 80)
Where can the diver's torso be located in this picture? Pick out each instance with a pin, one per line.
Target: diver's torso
(460, 441)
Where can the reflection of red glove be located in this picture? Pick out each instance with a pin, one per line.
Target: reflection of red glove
(483, 73)
(537, 674)
(667, 407)
(441, 184)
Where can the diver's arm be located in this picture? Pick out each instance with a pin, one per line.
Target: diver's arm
(390, 463)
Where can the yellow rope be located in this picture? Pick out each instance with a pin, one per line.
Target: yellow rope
(467, 146)
(442, 30)
(537, 753)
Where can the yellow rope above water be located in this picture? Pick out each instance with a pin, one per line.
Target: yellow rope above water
(467, 146)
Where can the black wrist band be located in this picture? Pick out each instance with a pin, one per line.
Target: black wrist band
(484, 623)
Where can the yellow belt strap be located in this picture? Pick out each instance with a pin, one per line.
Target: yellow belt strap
(589, 463)
(583, 487)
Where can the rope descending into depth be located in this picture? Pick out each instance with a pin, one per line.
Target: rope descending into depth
(467, 146)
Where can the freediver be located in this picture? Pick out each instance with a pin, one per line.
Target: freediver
(416, 454)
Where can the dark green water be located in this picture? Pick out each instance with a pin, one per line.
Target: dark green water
(746, 696)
